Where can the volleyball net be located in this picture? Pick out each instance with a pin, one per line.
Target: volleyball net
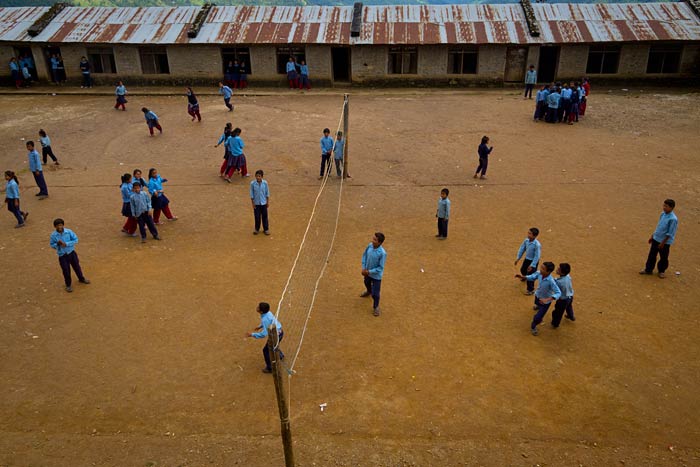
(298, 297)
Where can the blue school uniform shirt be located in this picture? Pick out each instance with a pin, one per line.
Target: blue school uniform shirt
(126, 190)
(267, 319)
(291, 67)
(326, 144)
(68, 237)
(553, 100)
(14, 66)
(140, 203)
(151, 116)
(259, 192)
(155, 184)
(235, 144)
(531, 77)
(541, 96)
(11, 189)
(373, 259)
(667, 226)
(34, 161)
(484, 150)
(120, 90)
(548, 287)
(532, 250)
(45, 141)
(564, 284)
(566, 93)
(338, 149)
(443, 211)
(25, 73)
(54, 63)
(305, 70)
(85, 67)
(223, 138)
(226, 92)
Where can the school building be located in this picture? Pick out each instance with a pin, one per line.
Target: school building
(463, 44)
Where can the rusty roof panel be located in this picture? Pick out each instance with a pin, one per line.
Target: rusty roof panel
(382, 24)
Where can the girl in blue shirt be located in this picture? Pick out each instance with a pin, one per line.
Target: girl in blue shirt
(237, 160)
(244, 76)
(192, 104)
(304, 76)
(12, 198)
(120, 92)
(46, 150)
(228, 129)
(158, 199)
(151, 120)
(126, 189)
(292, 73)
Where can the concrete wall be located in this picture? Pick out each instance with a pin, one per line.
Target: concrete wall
(127, 60)
(263, 61)
(6, 53)
(432, 60)
(369, 63)
(633, 61)
(318, 57)
(572, 62)
(195, 62)
(690, 60)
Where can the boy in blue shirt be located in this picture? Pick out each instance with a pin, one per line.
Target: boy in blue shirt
(304, 76)
(553, 106)
(63, 241)
(547, 292)
(530, 81)
(532, 249)
(37, 171)
(267, 319)
(661, 240)
(140, 203)
(227, 93)
(326, 149)
(373, 261)
(338, 150)
(443, 213)
(260, 198)
(565, 303)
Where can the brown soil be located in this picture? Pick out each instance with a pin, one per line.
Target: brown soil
(147, 366)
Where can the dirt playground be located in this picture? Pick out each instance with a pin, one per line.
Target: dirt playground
(148, 365)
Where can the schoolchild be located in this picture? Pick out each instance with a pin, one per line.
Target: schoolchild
(141, 210)
(63, 241)
(126, 190)
(565, 303)
(443, 213)
(547, 292)
(12, 198)
(46, 150)
(326, 143)
(159, 201)
(121, 93)
(532, 249)
(151, 120)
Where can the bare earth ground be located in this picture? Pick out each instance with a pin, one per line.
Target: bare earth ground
(147, 366)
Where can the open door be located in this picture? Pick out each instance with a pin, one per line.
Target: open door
(516, 60)
(55, 75)
(549, 59)
(25, 56)
(340, 58)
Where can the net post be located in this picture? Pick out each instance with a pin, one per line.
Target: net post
(346, 125)
(282, 403)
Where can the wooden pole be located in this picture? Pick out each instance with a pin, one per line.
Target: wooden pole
(346, 126)
(281, 397)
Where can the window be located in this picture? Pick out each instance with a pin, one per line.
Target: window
(664, 59)
(462, 61)
(242, 54)
(403, 60)
(154, 60)
(283, 54)
(101, 60)
(603, 59)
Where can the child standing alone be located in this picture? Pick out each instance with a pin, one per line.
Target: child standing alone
(46, 147)
(12, 198)
(484, 152)
(443, 213)
(151, 120)
(63, 241)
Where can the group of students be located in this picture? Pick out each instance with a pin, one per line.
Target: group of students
(298, 74)
(236, 74)
(22, 70)
(562, 103)
(143, 202)
(234, 158)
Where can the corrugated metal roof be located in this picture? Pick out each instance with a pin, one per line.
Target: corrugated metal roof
(386, 25)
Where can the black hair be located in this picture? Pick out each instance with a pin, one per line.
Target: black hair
(30, 142)
(446, 191)
(144, 109)
(380, 237)
(259, 172)
(12, 175)
(189, 88)
(58, 221)
(549, 266)
(150, 172)
(565, 268)
(126, 178)
(136, 184)
(535, 231)
(42, 132)
(484, 140)
(136, 170)
(326, 130)
(340, 133)
(236, 131)
(670, 202)
(264, 307)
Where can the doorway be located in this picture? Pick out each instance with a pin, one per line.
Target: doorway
(25, 56)
(516, 59)
(549, 59)
(340, 58)
(54, 75)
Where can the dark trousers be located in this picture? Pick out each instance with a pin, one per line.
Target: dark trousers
(15, 210)
(146, 220)
(261, 214)
(68, 261)
(151, 126)
(442, 226)
(663, 253)
(46, 153)
(325, 159)
(374, 287)
(552, 115)
(528, 90)
(227, 101)
(483, 165)
(562, 305)
(542, 309)
(41, 183)
(339, 167)
(523, 271)
(266, 352)
(540, 110)
(86, 80)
